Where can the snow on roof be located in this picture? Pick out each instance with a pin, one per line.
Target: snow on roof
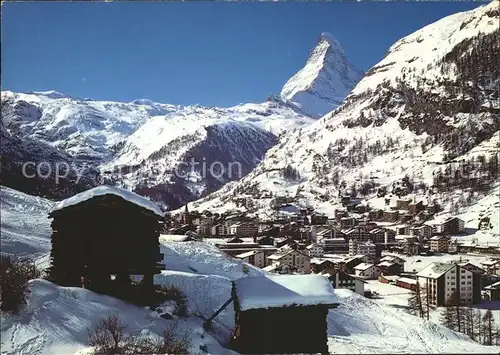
(386, 263)
(284, 290)
(363, 266)
(271, 268)
(438, 237)
(435, 270)
(494, 286)
(109, 190)
(490, 262)
(173, 237)
(247, 254)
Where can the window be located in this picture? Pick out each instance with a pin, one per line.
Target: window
(463, 276)
(469, 282)
(469, 276)
(463, 282)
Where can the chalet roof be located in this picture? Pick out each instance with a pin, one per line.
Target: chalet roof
(438, 237)
(435, 270)
(494, 286)
(285, 290)
(386, 264)
(109, 190)
(490, 262)
(363, 266)
(248, 253)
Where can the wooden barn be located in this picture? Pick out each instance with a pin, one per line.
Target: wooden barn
(282, 314)
(103, 236)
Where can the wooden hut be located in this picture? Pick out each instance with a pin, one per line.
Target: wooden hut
(104, 235)
(281, 314)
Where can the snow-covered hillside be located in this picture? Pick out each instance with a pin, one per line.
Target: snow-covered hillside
(25, 226)
(409, 116)
(56, 318)
(325, 80)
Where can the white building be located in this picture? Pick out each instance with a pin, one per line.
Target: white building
(254, 257)
(315, 250)
(442, 280)
(293, 258)
(367, 271)
(341, 279)
(353, 247)
(368, 249)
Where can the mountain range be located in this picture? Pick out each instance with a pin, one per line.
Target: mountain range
(427, 113)
(143, 145)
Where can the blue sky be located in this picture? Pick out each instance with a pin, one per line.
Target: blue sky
(207, 53)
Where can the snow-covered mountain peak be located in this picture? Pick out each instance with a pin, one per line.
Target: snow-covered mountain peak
(324, 81)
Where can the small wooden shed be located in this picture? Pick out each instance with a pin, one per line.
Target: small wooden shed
(282, 314)
(104, 235)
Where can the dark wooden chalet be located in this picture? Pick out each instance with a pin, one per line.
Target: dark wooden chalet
(281, 314)
(103, 236)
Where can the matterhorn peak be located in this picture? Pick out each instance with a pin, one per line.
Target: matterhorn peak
(325, 80)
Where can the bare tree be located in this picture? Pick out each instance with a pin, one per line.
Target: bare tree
(107, 335)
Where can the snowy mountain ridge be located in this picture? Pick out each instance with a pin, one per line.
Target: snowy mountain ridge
(401, 119)
(326, 79)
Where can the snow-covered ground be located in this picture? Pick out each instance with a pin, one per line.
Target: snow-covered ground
(25, 225)
(56, 318)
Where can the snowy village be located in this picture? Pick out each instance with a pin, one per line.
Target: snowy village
(357, 211)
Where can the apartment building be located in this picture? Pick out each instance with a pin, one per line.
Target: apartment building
(443, 280)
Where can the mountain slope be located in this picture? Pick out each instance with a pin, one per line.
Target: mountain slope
(325, 80)
(96, 137)
(24, 222)
(409, 116)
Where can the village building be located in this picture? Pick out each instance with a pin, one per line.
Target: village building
(367, 271)
(416, 207)
(390, 216)
(493, 292)
(403, 204)
(423, 232)
(450, 226)
(347, 222)
(411, 248)
(492, 266)
(244, 229)
(439, 244)
(389, 268)
(367, 248)
(403, 230)
(315, 250)
(335, 245)
(375, 215)
(254, 257)
(103, 236)
(221, 229)
(268, 309)
(319, 265)
(443, 280)
(407, 283)
(293, 258)
(343, 280)
(265, 240)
